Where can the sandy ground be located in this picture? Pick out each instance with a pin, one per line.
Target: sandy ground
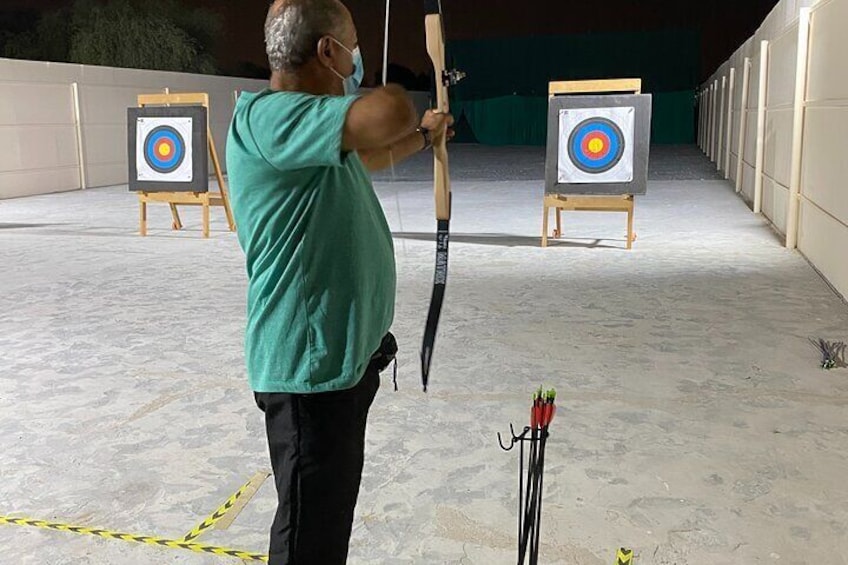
(695, 425)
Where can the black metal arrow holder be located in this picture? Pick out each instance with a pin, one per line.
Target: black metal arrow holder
(529, 492)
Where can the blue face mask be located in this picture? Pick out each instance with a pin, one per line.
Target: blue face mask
(354, 81)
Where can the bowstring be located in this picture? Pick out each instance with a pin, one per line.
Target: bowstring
(393, 182)
(397, 201)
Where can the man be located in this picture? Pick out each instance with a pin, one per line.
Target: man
(320, 263)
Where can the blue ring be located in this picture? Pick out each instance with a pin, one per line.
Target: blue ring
(588, 160)
(157, 163)
(157, 160)
(584, 162)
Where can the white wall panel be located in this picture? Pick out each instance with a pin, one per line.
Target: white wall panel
(733, 160)
(828, 73)
(105, 144)
(736, 123)
(750, 154)
(14, 184)
(38, 72)
(783, 59)
(778, 146)
(35, 95)
(754, 92)
(37, 147)
(824, 176)
(37, 123)
(822, 239)
(37, 136)
(23, 105)
(106, 174)
(748, 182)
(103, 104)
(823, 217)
(775, 200)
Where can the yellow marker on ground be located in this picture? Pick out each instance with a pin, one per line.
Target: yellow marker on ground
(624, 557)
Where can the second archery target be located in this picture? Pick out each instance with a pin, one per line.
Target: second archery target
(165, 153)
(598, 144)
(168, 149)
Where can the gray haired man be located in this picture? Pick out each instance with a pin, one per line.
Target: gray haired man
(320, 263)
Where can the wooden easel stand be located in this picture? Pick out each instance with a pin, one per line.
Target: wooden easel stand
(204, 199)
(590, 203)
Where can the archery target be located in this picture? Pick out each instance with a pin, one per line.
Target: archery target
(596, 145)
(164, 150)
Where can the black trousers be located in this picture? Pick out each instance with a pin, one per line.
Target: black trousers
(317, 446)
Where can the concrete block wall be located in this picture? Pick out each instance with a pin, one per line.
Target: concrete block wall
(38, 121)
(39, 137)
(59, 137)
(780, 99)
(804, 142)
(823, 223)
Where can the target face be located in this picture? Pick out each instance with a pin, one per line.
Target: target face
(164, 150)
(596, 145)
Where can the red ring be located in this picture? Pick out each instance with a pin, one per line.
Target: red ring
(584, 145)
(170, 144)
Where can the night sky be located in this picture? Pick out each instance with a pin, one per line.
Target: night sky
(723, 24)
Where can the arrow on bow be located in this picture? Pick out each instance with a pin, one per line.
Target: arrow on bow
(434, 25)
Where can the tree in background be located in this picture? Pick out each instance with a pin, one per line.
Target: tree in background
(141, 34)
(29, 36)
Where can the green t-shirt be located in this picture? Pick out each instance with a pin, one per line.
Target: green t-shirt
(319, 252)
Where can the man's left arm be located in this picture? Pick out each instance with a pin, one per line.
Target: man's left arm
(379, 159)
(383, 158)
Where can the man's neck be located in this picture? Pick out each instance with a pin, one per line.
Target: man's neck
(300, 82)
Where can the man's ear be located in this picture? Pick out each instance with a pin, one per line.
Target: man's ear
(324, 51)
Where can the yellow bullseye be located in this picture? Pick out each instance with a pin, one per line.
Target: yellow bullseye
(596, 145)
(164, 150)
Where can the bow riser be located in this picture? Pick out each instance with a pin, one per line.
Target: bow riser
(436, 50)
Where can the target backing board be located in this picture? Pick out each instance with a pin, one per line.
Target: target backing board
(168, 149)
(598, 144)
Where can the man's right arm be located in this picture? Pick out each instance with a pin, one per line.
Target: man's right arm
(379, 119)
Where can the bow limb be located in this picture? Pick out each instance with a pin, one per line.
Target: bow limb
(434, 27)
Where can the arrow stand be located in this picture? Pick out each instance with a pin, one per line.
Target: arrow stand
(529, 488)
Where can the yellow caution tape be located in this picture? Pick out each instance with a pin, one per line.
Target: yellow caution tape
(250, 488)
(146, 540)
(624, 557)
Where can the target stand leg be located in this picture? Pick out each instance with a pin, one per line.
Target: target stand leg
(231, 223)
(222, 185)
(142, 216)
(177, 224)
(558, 233)
(546, 214)
(206, 218)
